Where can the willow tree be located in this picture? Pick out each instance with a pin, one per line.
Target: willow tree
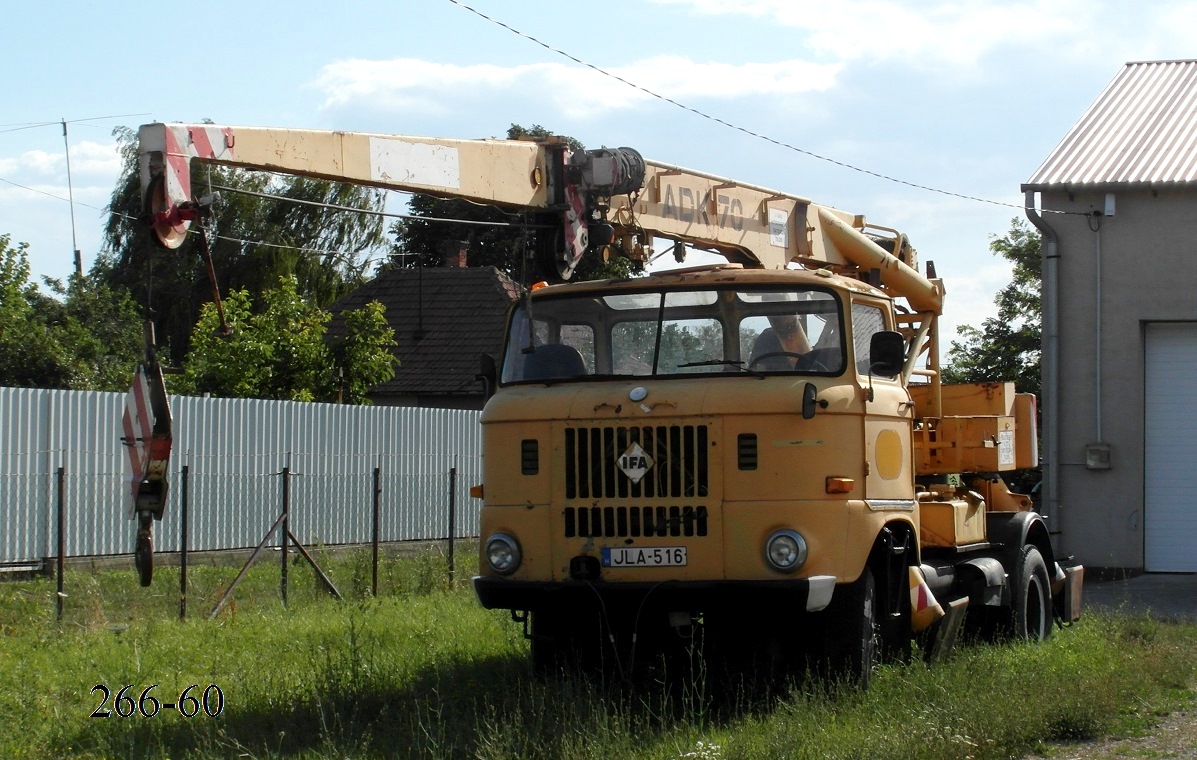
(254, 240)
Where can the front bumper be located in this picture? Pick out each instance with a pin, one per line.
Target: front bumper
(812, 594)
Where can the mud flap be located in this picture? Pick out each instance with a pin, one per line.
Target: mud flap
(1067, 600)
(941, 636)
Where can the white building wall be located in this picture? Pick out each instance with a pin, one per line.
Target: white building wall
(1145, 275)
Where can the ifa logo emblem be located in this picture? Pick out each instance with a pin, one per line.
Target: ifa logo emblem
(635, 462)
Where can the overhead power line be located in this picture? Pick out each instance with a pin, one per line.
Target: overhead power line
(728, 124)
(18, 126)
(387, 214)
(326, 252)
(43, 192)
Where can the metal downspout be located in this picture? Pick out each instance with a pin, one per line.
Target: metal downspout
(1097, 331)
(1051, 363)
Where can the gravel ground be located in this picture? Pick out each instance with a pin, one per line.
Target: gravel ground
(1164, 596)
(1174, 737)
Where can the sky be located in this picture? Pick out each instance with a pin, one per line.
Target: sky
(963, 97)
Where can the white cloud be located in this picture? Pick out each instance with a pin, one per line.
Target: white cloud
(947, 33)
(405, 83)
(86, 158)
(36, 161)
(99, 158)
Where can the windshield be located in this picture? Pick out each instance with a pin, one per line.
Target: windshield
(677, 332)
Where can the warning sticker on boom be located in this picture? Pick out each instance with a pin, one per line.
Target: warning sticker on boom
(1006, 448)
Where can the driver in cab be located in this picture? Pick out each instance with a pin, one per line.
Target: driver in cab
(781, 347)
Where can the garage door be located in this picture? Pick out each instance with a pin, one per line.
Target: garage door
(1170, 438)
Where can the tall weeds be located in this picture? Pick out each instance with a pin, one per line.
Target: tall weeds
(423, 671)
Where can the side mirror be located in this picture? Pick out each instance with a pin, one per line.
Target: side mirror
(810, 399)
(887, 353)
(488, 375)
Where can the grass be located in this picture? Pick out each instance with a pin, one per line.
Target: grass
(423, 671)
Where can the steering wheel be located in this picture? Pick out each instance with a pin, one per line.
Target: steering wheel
(801, 361)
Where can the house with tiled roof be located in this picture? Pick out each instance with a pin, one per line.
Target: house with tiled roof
(1116, 202)
(445, 319)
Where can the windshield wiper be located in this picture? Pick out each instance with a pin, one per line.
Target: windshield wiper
(723, 363)
(713, 363)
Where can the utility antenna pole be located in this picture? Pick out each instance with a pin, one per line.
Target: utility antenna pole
(71, 197)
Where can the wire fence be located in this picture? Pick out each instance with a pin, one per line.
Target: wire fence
(235, 451)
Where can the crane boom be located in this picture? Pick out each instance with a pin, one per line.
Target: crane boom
(605, 198)
(514, 173)
(769, 229)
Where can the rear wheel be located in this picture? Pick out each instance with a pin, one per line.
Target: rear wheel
(1031, 597)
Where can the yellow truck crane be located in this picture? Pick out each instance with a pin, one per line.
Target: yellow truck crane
(757, 455)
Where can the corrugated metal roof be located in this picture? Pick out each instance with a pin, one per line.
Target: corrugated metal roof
(1142, 129)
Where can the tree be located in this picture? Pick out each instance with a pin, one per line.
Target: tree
(256, 241)
(363, 356)
(101, 331)
(511, 248)
(280, 351)
(29, 355)
(1007, 346)
(88, 340)
(233, 365)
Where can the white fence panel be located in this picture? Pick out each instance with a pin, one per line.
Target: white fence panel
(234, 451)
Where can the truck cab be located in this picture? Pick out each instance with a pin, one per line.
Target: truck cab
(651, 446)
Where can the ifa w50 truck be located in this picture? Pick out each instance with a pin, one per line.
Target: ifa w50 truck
(757, 455)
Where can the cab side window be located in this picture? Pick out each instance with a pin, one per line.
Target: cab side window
(866, 320)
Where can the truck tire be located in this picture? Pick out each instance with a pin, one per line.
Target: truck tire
(566, 638)
(549, 643)
(1031, 597)
(896, 636)
(854, 631)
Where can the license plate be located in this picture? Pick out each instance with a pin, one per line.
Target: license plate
(649, 556)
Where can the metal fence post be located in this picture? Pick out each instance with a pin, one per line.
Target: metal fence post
(286, 527)
(452, 518)
(374, 534)
(61, 595)
(183, 538)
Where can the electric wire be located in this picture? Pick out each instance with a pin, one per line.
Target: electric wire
(738, 128)
(19, 126)
(43, 192)
(342, 256)
(371, 212)
(348, 257)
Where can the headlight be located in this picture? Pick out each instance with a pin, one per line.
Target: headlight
(785, 550)
(502, 554)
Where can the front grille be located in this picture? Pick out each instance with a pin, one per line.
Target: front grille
(634, 522)
(678, 453)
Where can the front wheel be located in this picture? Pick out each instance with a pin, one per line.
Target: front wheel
(567, 637)
(854, 631)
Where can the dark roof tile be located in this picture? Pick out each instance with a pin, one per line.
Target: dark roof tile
(444, 320)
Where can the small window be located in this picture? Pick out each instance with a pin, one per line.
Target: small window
(867, 320)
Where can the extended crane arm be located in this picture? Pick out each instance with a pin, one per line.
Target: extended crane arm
(763, 228)
(604, 197)
(537, 176)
